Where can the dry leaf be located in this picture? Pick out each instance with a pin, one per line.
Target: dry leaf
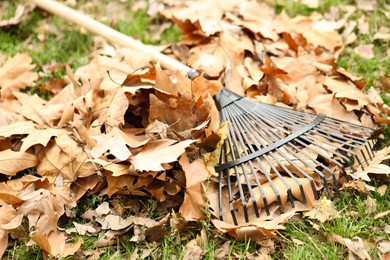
(382, 189)
(9, 220)
(155, 153)
(365, 51)
(375, 166)
(324, 210)
(12, 162)
(55, 243)
(16, 74)
(357, 248)
(370, 205)
(21, 13)
(117, 141)
(382, 214)
(193, 206)
(384, 246)
(65, 157)
(193, 251)
(45, 205)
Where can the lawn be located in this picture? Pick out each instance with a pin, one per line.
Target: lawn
(367, 56)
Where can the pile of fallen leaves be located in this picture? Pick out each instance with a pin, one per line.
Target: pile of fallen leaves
(124, 128)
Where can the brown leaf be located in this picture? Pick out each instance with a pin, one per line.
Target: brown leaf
(375, 166)
(116, 141)
(155, 153)
(21, 13)
(45, 205)
(382, 189)
(40, 136)
(348, 91)
(193, 251)
(222, 252)
(365, 51)
(16, 74)
(117, 105)
(382, 214)
(65, 157)
(384, 246)
(12, 162)
(357, 248)
(195, 194)
(370, 205)
(55, 244)
(324, 210)
(9, 219)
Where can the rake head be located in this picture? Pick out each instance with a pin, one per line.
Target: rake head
(279, 155)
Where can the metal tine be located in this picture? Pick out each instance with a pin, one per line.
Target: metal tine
(304, 161)
(263, 169)
(334, 136)
(346, 159)
(353, 139)
(234, 115)
(368, 148)
(260, 143)
(241, 129)
(256, 141)
(233, 145)
(319, 163)
(341, 148)
(264, 115)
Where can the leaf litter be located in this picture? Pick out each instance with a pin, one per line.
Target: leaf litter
(123, 127)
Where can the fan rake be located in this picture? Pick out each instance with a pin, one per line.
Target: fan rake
(269, 149)
(266, 141)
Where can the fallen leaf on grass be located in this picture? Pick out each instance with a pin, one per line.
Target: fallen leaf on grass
(365, 51)
(384, 246)
(9, 219)
(193, 250)
(195, 194)
(222, 252)
(21, 14)
(382, 214)
(370, 205)
(55, 243)
(382, 189)
(44, 206)
(357, 249)
(375, 166)
(324, 210)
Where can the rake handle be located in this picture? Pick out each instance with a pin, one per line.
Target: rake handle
(110, 34)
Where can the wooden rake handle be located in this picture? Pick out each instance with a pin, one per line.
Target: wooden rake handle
(110, 34)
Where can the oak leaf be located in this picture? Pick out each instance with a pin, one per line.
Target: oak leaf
(117, 141)
(195, 194)
(9, 219)
(55, 243)
(16, 74)
(64, 156)
(40, 136)
(45, 205)
(12, 162)
(155, 153)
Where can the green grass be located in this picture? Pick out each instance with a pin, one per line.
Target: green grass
(316, 244)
